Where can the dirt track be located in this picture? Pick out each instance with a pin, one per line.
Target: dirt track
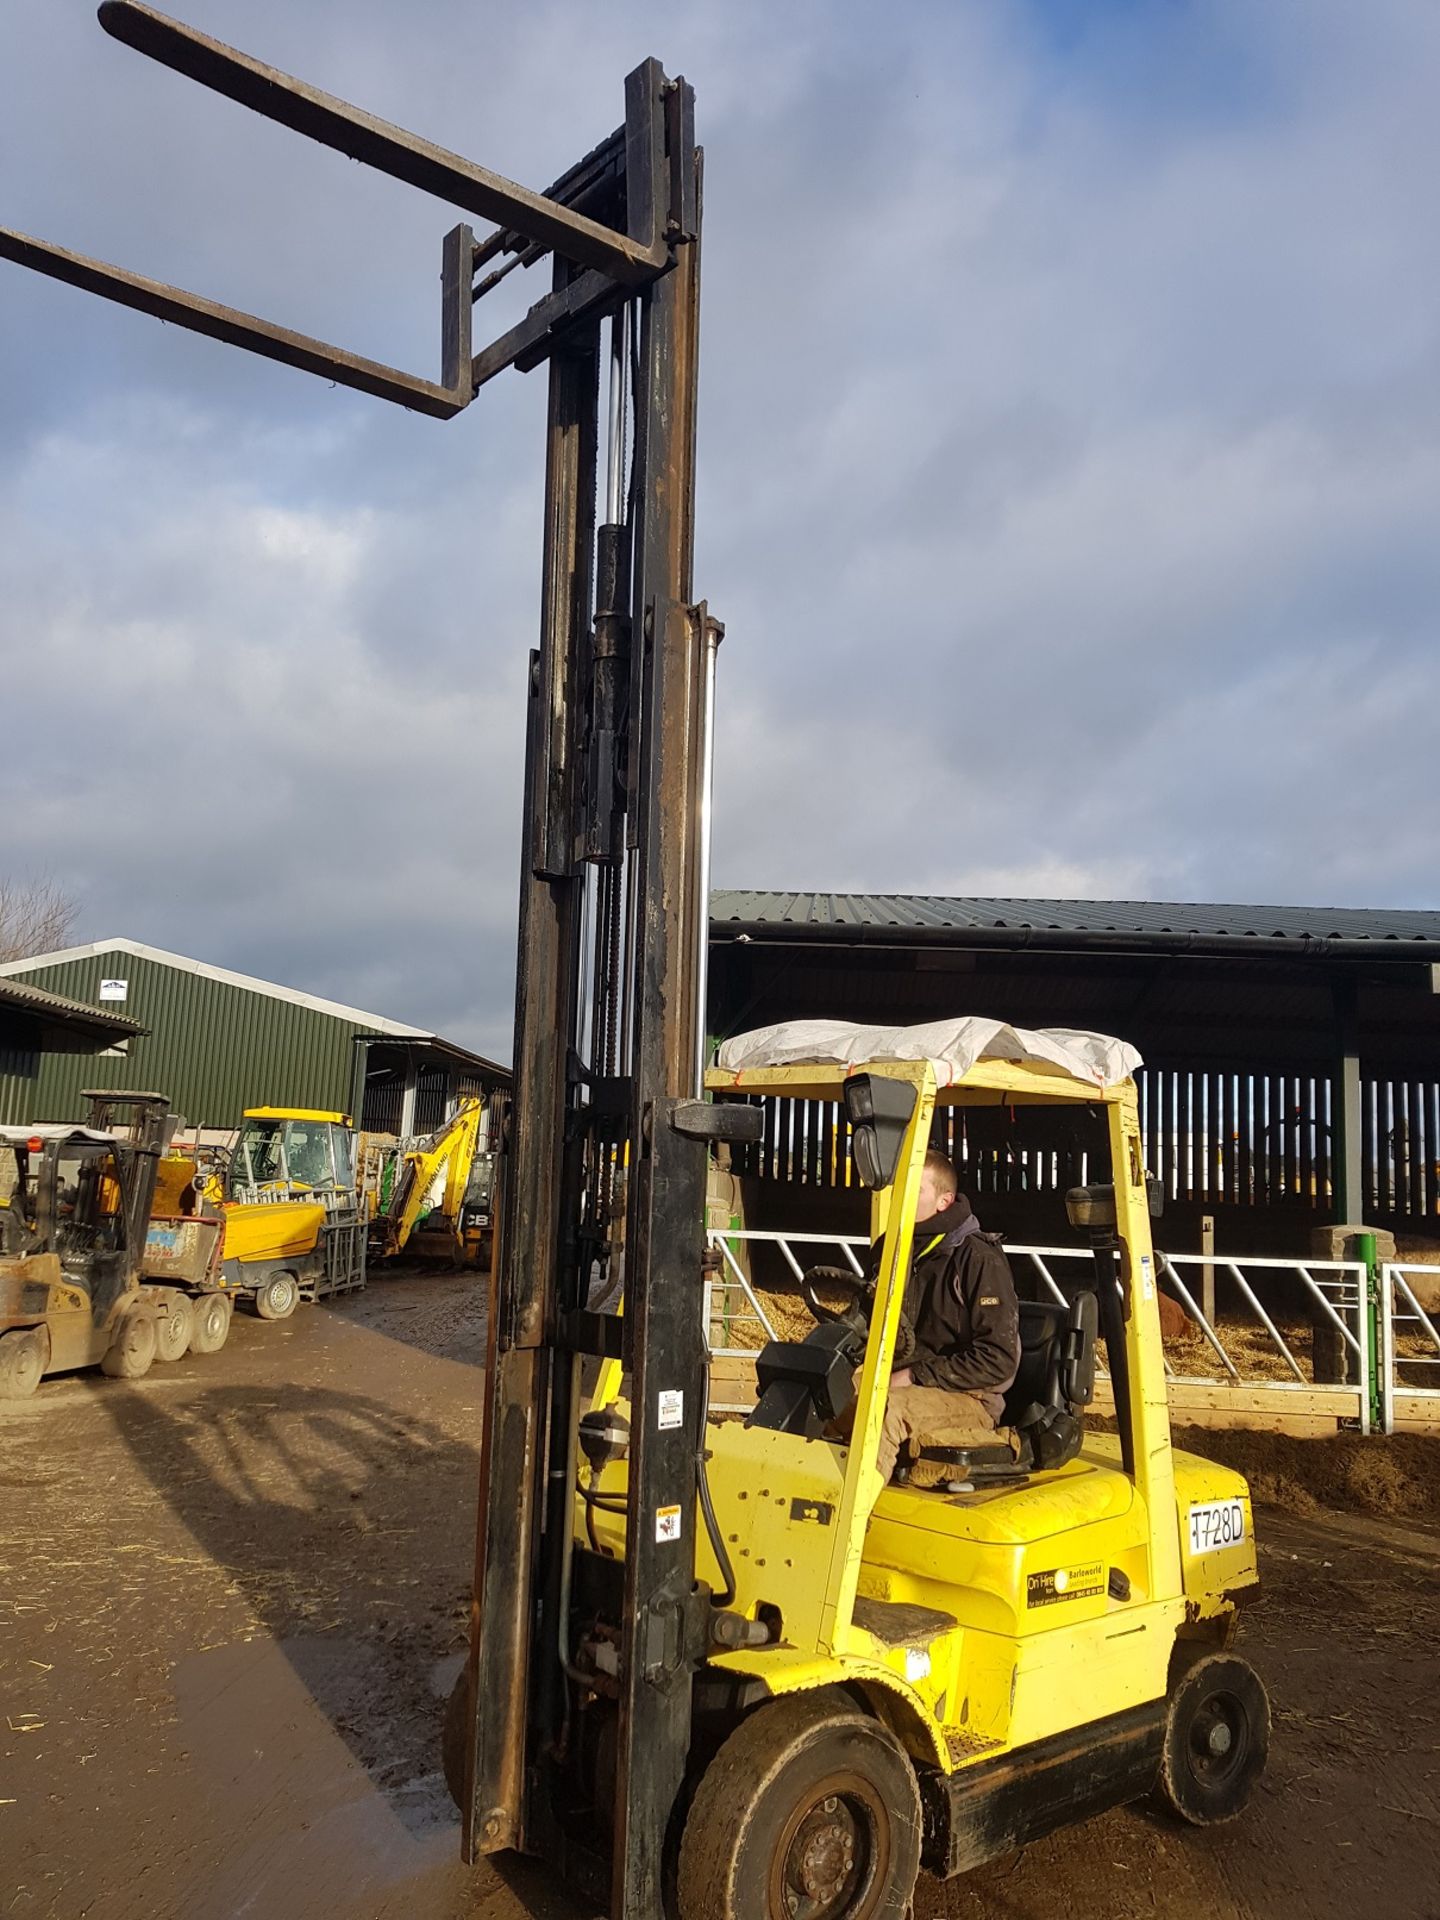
(233, 1598)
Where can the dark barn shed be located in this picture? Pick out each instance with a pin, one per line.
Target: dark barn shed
(1292, 1054)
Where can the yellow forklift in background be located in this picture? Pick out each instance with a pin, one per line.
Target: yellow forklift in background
(74, 1202)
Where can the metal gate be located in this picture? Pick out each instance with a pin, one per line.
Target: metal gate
(1410, 1346)
(1295, 1349)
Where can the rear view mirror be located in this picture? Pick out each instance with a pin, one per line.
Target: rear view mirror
(1091, 1208)
(879, 1110)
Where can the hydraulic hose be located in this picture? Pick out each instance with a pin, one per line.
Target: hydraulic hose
(707, 1507)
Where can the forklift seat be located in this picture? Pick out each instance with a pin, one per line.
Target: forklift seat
(1045, 1404)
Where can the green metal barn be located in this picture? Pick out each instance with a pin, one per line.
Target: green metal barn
(218, 1042)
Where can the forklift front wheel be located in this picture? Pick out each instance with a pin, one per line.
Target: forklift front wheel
(212, 1323)
(278, 1298)
(22, 1363)
(808, 1808)
(132, 1352)
(1217, 1735)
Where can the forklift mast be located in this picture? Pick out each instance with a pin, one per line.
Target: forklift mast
(614, 882)
(608, 1015)
(151, 1127)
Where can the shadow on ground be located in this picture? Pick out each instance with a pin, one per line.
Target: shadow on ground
(353, 1562)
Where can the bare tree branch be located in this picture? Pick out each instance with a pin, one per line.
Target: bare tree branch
(36, 916)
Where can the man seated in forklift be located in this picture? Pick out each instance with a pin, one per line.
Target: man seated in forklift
(960, 1300)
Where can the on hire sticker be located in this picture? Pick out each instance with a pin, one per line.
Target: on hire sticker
(1065, 1583)
(667, 1523)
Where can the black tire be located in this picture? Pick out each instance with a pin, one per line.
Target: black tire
(277, 1297)
(132, 1351)
(453, 1736)
(808, 1802)
(22, 1363)
(175, 1329)
(1217, 1737)
(212, 1323)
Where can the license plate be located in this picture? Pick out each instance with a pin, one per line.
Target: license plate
(1215, 1524)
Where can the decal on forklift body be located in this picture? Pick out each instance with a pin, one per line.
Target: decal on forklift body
(917, 1663)
(820, 1511)
(671, 1409)
(667, 1523)
(1147, 1277)
(1216, 1523)
(1065, 1583)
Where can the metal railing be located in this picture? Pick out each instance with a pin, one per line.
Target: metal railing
(730, 1298)
(1409, 1340)
(1274, 1309)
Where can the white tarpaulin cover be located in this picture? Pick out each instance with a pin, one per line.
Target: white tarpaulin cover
(952, 1046)
(56, 1130)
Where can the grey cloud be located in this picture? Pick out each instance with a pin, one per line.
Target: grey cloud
(1068, 469)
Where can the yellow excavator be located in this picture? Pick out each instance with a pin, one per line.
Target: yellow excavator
(438, 1206)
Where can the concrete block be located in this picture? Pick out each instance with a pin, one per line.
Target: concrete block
(1338, 1242)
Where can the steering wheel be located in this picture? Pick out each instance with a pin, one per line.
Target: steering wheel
(857, 1312)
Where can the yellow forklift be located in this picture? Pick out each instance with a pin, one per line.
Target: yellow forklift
(903, 1675)
(74, 1201)
(719, 1670)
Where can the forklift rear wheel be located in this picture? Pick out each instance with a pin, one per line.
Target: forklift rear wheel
(278, 1298)
(176, 1329)
(132, 1352)
(212, 1323)
(22, 1362)
(810, 1811)
(1217, 1735)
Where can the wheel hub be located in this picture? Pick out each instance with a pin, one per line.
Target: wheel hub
(826, 1870)
(827, 1854)
(1218, 1737)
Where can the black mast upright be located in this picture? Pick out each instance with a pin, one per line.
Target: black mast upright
(611, 921)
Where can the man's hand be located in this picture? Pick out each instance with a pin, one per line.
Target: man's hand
(901, 1379)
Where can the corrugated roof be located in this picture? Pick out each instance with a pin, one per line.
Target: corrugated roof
(183, 964)
(55, 1010)
(250, 983)
(1147, 919)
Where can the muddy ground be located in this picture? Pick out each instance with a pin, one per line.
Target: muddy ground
(232, 1597)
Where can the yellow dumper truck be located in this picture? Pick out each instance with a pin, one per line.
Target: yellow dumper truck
(284, 1225)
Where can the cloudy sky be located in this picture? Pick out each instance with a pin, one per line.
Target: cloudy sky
(1069, 468)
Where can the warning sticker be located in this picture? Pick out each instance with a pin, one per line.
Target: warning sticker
(1065, 1583)
(667, 1523)
(1147, 1277)
(672, 1409)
